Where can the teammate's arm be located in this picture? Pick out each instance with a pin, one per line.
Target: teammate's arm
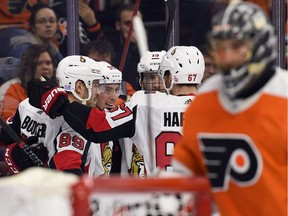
(92, 124)
(76, 115)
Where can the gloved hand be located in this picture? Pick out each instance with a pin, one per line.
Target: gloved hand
(16, 159)
(46, 95)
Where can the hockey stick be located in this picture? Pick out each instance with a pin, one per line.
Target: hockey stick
(126, 45)
(171, 13)
(142, 43)
(127, 41)
(26, 148)
(141, 35)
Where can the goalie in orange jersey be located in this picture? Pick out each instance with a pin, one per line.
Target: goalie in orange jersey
(235, 131)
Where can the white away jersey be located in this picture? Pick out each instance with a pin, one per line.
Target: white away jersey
(163, 118)
(34, 122)
(67, 149)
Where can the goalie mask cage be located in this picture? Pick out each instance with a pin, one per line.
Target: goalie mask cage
(135, 196)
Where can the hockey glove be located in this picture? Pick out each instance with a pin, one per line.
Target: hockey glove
(46, 95)
(16, 159)
(53, 100)
(36, 89)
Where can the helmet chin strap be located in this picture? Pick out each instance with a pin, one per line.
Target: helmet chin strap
(83, 100)
(168, 89)
(171, 84)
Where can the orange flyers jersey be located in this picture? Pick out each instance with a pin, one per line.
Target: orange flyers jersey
(11, 94)
(240, 145)
(16, 12)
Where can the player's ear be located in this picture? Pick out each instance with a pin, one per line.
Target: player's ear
(79, 86)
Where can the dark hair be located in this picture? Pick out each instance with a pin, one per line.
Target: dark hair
(29, 60)
(100, 46)
(34, 10)
(123, 7)
(205, 49)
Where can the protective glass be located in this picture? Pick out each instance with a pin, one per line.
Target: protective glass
(111, 89)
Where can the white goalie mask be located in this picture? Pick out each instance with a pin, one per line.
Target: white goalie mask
(75, 67)
(110, 75)
(185, 64)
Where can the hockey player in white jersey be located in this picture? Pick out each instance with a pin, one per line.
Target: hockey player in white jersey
(147, 69)
(182, 70)
(73, 152)
(79, 77)
(32, 122)
(149, 80)
(107, 155)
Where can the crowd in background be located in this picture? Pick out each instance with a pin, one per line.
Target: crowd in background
(34, 43)
(103, 30)
(102, 34)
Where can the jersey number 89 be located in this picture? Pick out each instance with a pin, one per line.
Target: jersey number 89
(66, 139)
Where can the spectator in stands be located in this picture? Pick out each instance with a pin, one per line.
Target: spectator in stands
(88, 23)
(43, 25)
(35, 61)
(99, 50)
(14, 19)
(123, 20)
(9, 68)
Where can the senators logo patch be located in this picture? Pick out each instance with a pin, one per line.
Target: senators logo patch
(82, 59)
(231, 158)
(173, 51)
